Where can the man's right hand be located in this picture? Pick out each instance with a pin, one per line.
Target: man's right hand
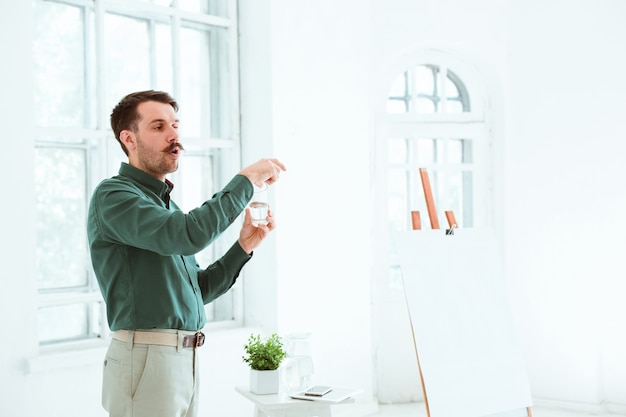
(264, 171)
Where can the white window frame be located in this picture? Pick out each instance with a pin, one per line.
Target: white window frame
(104, 153)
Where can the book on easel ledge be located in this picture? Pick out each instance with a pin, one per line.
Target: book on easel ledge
(329, 394)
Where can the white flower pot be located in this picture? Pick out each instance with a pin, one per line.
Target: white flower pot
(264, 382)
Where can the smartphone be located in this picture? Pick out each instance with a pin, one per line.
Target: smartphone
(318, 390)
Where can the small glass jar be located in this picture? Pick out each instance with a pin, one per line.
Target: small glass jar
(297, 367)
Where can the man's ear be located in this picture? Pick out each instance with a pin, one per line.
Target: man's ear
(127, 137)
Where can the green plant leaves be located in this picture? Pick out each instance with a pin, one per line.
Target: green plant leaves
(264, 355)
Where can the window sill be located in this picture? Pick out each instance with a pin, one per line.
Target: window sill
(67, 356)
(91, 352)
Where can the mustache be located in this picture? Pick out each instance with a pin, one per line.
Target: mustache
(173, 147)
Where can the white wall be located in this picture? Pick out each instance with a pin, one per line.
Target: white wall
(17, 297)
(555, 75)
(307, 73)
(564, 202)
(305, 96)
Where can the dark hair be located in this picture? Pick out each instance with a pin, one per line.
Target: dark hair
(125, 116)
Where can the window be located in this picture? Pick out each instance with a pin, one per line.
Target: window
(429, 124)
(430, 114)
(430, 91)
(88, 54)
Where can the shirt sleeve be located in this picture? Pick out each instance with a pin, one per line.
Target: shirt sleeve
(125, 214)
(221, 275)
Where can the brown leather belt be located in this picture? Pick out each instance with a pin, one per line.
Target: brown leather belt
(160, 338)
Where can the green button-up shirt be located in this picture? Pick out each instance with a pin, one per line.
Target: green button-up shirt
(142, 250)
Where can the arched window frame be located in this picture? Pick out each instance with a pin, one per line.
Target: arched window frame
(473, 125)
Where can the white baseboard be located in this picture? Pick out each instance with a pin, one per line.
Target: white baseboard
(619, 409)
(580, 407)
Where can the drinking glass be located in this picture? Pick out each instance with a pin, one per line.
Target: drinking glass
(259, 205)
(297, 367)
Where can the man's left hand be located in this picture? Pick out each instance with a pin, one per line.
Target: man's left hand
(251, 236)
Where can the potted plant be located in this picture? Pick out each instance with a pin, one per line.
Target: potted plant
(264, 357)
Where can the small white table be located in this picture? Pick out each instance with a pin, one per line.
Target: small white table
(281, 405)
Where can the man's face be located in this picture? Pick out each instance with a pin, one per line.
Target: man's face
(156, 148)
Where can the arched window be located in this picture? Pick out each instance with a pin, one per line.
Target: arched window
(430, 113)
(434, 134)
(428, 89)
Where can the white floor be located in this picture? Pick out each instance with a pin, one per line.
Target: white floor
(418, 410)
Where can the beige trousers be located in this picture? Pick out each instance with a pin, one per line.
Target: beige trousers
(150, 380)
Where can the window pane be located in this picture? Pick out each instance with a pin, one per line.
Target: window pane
(435, 182)
(212, 7)
(195, 82)
(222, 308)
(58, 52)
(127, 57)
(201, 6)
(425, 80)
(164, 3)
(459, 151)
(425, 92)
(451, 89)
(426, 151)
(68, 322)
(163, 56)
(196, 180)
(398, 87)
(397, 151)
(61, 258)
(451, 197)
(457, 196)
(425, 105)
(454, 106)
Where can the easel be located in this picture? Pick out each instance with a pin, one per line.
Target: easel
(430, 206)
(434, 222)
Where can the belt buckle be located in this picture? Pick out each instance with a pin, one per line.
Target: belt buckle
(199, 339)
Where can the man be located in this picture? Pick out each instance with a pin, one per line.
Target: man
(142, 249)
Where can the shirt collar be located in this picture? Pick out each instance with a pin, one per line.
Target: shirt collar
(162, 189)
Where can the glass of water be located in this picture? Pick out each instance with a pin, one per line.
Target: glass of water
(297, 367)
(259, 205)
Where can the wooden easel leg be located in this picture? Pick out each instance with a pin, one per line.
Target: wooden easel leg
(416, 223)
(451, 219)
(419, 367)
(430, 201)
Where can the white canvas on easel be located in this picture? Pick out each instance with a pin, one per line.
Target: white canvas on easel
(469, 354)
